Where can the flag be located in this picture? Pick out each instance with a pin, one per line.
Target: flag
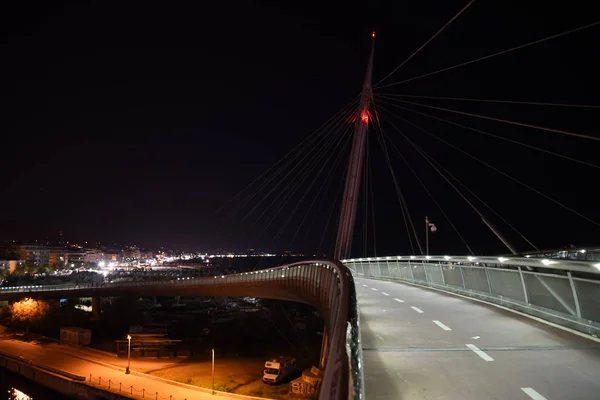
(432, 227)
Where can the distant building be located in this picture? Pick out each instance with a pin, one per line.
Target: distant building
(11, 265)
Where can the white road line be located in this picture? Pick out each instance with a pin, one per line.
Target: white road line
(417, 309)
(533, 394)
(398, 300)
(444, 327)
(479, 352)
(374, 289)
(384, 293)
(365, 285)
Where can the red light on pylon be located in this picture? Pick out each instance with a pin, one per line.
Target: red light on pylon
(373, 34)
(364, 117)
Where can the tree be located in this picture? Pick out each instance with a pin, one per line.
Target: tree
(42, 269)
(29, 311)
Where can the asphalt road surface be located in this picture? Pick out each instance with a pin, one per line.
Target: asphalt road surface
(425, 344)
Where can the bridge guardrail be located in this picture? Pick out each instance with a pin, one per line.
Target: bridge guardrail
(326, 285)
(561, 291)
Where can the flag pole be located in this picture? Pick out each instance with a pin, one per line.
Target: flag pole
(426, 236)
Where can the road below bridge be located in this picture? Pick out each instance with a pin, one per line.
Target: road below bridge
(425, 344)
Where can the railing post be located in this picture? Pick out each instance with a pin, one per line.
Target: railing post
(462, 277)
(487, 277)
(412, 274)
(425, 269)
(378, 266)
(575, 296)
(442, 272)
(524, 287)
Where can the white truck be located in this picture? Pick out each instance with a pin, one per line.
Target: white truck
(279, 369)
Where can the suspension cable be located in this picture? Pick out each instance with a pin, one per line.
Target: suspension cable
(314, 139)
(373, 210)
(495, 136)
(580, 135)
(325, 182)
(495, 54)
(291, 171)
(434, 167)
(328, 150)
(295, 183)
(483, 202)
(430, 194)
(333, 208)
(291, 215)
(467, 188)
(515, 179)
(533, 103)
(427, 42)
(399, 194)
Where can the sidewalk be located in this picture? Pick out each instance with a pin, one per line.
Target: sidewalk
(108, 372)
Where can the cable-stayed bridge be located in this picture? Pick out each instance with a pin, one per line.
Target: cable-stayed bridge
(466, 324)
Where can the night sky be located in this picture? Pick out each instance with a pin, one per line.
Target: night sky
(136, 122)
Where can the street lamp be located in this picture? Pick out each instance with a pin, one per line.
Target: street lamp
(213, 370)
(128, 353)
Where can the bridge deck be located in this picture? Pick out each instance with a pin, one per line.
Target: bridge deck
(409, 356)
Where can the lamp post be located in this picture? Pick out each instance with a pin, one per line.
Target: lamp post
(213, 370)
(128, 353)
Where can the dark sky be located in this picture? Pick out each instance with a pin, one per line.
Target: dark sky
(134, 122)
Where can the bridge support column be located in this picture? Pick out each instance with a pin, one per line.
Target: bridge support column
(323, 349)
(96, 308)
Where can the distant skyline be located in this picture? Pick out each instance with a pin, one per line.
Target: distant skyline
(136, 123)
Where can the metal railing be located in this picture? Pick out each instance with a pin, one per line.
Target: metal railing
(565, 292)
(326, 285)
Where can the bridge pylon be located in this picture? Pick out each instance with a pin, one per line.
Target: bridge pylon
(353, 177)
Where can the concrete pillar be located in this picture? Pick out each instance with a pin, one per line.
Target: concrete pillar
(96, 308)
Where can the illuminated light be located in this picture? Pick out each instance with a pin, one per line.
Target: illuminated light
(548, 262)
(387, 258)
(471, 258)
(502, 259)
(582, 251)
(597, 266)
(412, 257)
(364, 116)
(373, 34)
(447, 257)
(528, 256)
(427, 257)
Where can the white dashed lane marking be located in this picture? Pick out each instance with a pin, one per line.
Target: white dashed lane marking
(441, 325)
(533, 394)
(479, 352)
(417, 309)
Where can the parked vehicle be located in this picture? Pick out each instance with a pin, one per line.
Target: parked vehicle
(279, 369)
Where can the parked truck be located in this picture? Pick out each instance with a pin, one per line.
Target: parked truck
(279, 369)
